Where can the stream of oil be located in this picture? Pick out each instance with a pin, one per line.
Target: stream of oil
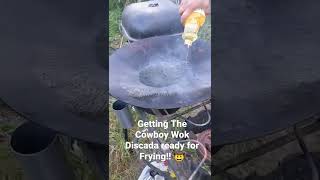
(188, 52)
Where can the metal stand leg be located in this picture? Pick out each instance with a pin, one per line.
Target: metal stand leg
(126, 136)
(40, 153)
(312, 164)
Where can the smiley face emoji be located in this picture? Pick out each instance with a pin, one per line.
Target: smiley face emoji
(178, 156)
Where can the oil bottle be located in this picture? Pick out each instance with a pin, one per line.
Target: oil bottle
(192, 26)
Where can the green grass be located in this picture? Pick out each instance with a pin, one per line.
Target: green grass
(122, 164)
(205, 31)
(9, 168)
(115, 10)
(114, 18)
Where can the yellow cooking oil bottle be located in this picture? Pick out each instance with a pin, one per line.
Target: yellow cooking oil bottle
(192, 25)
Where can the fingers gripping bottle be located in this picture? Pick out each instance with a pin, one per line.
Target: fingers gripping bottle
(192, 26)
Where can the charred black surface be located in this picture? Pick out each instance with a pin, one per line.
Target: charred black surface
(154, 73)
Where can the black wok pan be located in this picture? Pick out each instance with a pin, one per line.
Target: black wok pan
(154, 73)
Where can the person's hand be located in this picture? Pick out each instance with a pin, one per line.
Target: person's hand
(188, 6)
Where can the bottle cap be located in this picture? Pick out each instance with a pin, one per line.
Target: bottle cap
(187, 42)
